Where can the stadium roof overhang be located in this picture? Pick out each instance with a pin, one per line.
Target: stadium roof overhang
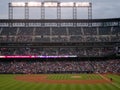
(59, 20)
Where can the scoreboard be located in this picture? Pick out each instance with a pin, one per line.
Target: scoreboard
(16, 56)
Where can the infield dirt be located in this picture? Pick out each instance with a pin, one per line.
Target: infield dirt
(43, 79)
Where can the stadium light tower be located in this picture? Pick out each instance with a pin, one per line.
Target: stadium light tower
(50, 4)
(34, 4)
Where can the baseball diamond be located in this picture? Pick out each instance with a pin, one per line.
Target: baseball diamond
(59, 82)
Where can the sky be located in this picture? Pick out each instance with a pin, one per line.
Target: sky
(100, 9)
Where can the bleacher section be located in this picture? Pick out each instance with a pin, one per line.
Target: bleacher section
(58, 51)
(60, 66)
(60, 34)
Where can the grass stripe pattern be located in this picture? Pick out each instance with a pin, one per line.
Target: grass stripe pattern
(8, 82)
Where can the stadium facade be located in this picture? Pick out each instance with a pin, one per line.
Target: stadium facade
(102, 35)
(63, 45)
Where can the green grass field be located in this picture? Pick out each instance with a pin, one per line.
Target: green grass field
(7, 82)
(68, 76)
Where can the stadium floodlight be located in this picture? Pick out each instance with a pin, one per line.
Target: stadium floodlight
(21, 4)
(50, 4)
(67, 4)
(33, 4)
(82, 4)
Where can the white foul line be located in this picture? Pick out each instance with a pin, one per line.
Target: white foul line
(109, 80)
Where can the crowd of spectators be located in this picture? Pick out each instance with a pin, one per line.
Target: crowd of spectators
(57, 66)
(58, 51)
(108, 66)
(60, 34)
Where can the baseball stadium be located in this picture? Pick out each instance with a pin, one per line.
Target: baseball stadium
(58, 53)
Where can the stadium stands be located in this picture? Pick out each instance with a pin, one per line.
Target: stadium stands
(104, 30)
(48, 51)
(56, 66)
(90, 31)
(25, 31)
(8, 31)
(59, 31)
(98, 39)
(42, 31)
(60, 34)
(74, 31)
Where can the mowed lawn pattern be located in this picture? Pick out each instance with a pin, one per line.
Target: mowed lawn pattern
(72, 77)
(7, 82)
